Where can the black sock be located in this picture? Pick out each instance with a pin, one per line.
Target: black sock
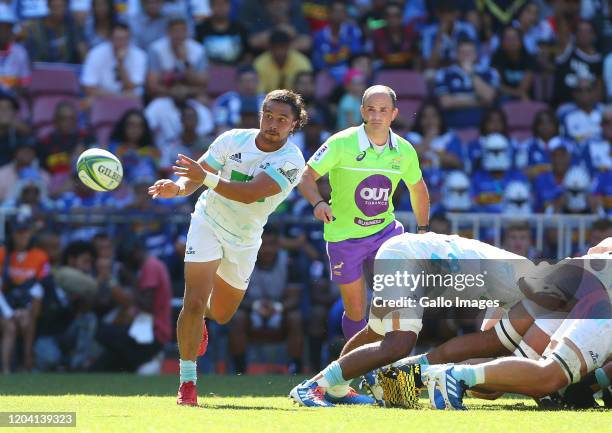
(316, 343)
(240, 363)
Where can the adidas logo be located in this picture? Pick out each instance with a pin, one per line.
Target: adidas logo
(190, 250)
(236, 157)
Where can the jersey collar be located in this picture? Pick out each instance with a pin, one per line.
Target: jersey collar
(364, 141)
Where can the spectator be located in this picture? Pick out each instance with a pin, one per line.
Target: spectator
(15, 72)
(545, 129)
(177, 64)
(517, 239)
(149, 25)
(278, 66)
(581, 120)
(27, 270)
(580, 60)
(132, 142)
(494, 121)
(66, 325)
(271, 308)
(598, 150)
(224, 39)
(56, 37)
(373, 18)
(263, 19)
(576, 197)
(441, 39)
(439, 223)
(59, 149)
(227, 107)
(23, 165)
(489, 182)
(305, 85)
(515, 66)
(538, 35)
(334, 45)
(190, 143)
(395, 44)
(116, 67)
(80, 199)
(517, 199)
(465, 89)
(548, 184)
(10, 136)
(146, 327)
(349, 109)
(600, 230)
(439, 149)
(602, 192)
(164, 117)
(99, 23)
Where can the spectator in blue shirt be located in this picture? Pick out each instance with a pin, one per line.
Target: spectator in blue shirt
(336, 43)
(227, 107)
(466, 89)
(440, 39)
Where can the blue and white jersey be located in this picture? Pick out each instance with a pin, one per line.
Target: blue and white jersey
(455, 81)
(598, 155)
(488, 191)
(237, 158)
(578, 125)
(227, 108)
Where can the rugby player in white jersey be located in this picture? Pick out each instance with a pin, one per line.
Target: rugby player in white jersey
(248, 173)
(392, 333)
(581, 345)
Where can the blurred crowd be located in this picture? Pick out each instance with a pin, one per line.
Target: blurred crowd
(504, 101)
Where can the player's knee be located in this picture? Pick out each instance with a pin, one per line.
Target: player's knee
(551, 377)
(223, 317)
(194, 305)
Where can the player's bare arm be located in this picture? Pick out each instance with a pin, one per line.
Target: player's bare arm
(261, 186)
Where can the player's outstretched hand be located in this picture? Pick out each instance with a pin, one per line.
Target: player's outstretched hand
(164, 188)
(189, 168)
(323, 212)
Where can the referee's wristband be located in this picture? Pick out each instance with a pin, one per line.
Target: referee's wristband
(422, 228)
(314, 206)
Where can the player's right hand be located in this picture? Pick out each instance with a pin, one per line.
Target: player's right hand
(323, 212)
(164, 188)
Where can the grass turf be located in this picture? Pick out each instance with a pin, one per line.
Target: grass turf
(124, 403)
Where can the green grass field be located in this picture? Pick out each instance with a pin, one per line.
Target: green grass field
(112, 403)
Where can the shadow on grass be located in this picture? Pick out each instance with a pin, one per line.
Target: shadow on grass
(131, 385)
(241, 407)
(522, 407)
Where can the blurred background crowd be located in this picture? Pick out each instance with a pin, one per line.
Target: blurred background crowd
(504, 101)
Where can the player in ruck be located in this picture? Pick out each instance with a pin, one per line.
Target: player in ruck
(581, 345)
(392, 333)
(248, 173)
(365, 165)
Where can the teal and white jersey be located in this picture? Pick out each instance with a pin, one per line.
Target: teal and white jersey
(237, 158)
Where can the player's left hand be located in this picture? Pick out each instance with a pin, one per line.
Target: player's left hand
(189, 168)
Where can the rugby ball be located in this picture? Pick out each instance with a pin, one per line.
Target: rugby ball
(99, 169)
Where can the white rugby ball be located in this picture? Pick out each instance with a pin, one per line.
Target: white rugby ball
(99, 169)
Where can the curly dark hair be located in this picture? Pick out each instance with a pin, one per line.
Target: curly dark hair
(294, 100)
(119, 131)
